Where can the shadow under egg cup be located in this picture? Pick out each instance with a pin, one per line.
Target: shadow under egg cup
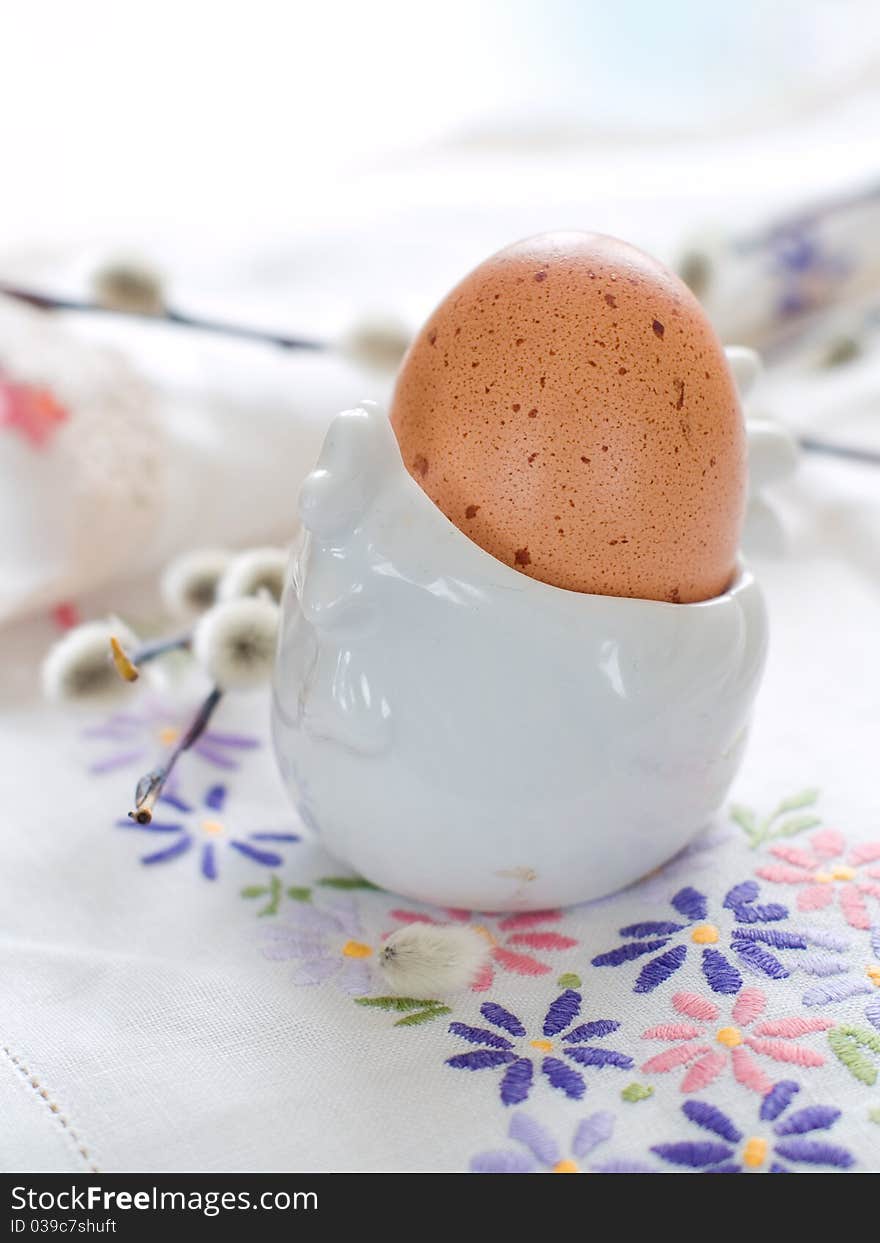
(462, 734)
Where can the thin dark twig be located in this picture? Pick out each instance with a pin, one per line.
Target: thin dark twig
(150, 786)
(158, 647)
(243, 332)
(50, 302)
(870, 456)
(128, 664)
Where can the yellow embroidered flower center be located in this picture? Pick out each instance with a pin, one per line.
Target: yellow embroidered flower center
(755, 1152)
(565, 1167)
(356, 949)
(729, 1036)
(168, 735)
(212, 827)
(705, 934)
(840, 872)
(873, 974)
(485, 933)
(543, 1046)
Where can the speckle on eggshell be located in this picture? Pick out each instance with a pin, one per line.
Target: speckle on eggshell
(599, 378)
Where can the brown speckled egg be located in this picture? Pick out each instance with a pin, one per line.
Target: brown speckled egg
(569, 407)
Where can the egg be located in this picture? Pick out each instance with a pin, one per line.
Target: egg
(569, 407)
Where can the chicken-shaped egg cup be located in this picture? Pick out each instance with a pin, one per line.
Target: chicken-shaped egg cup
(466, 734)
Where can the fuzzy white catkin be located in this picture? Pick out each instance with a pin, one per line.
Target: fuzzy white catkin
(254, 571)
(428, 960)
(190, 582)
(129, 285)
(79, 667)
(376, 341)
(234, 642)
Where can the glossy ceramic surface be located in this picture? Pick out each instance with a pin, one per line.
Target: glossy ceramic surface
(465, 735)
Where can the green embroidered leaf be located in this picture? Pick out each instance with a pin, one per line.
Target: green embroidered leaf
(745, 818)
(422, 1016)
(568, 980)
(346, 882)
(874, 1116)
(762, 831)
(299, 893)
(806, 798)
(847, 1045)
(798, 824)
(636, 1092)
(399, 1003)
(274, 892)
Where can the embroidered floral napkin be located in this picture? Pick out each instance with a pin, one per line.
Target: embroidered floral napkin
(200, 994)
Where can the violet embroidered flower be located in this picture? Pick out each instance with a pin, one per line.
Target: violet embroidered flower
(539, 1151)
(710, 1046)
(509, 936)
(780, 1138)
(668, 942)
(135, 735)
(808, 270)
(842, 988)
(510, 1047)
(327, 943)
(202, 829)
(826, 872)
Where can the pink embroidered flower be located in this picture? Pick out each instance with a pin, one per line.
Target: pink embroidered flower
(825, 871)
(508, 935)
(32, 412)
(707, 1053)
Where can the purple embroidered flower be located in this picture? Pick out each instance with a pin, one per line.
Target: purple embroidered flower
(666, 943)
(809, 273)
(541, 1153)
(496, 1048)
(326, 942)
(843, 987)
(201, 828)
(794, 1137)
(136, 736)
(856, 1048)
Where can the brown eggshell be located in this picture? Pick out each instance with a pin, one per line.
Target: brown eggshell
(569, 407)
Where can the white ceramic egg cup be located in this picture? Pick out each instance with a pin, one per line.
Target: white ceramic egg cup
(465, 735)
